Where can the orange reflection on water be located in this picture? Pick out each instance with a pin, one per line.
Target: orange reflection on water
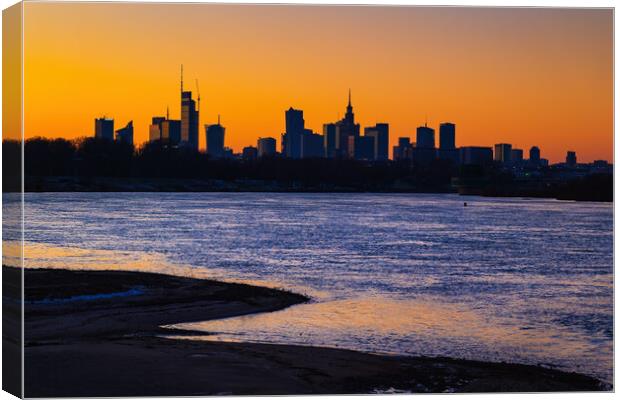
(383, 325)
(40, 255)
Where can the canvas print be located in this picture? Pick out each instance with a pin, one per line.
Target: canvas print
(252, 199)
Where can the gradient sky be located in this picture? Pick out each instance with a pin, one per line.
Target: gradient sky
(522, 76)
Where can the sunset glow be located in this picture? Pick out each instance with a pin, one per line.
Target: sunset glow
(522, 76)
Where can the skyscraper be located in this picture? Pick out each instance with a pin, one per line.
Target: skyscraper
(295, 126)
(447, 136)
(362, 147)
(425, 137)
(571, 158)
(104, 128)
(266, 147)
(329, 140)
(503, 153)
(404, 149)
(155, 133)
(125, 134)
(215, 139)
(534, 155)
(344, 128)
(447, 143)
(381, 134)
(311, 145)
(189, 121)
(171, 131)
(424, 151)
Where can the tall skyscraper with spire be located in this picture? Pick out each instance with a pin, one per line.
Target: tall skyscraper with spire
(346, 128)
(349, 116)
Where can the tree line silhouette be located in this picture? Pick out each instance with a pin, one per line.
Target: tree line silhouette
(89, 158)
(92, 157)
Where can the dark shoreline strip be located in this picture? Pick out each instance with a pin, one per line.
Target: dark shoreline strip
(110, 347)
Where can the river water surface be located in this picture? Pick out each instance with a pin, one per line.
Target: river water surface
(519, 280)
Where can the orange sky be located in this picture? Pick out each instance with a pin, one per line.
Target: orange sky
(523, 76)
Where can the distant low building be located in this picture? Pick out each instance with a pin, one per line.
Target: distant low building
(601, 167)
(423, 155)
(266, 147)
(125, 134)
(474, 155)
(451, 155)
(249, 153)
(516, 156)
(228, 153)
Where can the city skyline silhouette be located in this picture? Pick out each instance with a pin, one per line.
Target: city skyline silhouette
(502, 75)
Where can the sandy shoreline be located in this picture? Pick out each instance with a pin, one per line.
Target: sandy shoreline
(97, 333)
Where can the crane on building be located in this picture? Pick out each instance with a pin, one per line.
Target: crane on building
(198, 94)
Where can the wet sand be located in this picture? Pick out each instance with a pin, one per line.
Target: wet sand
(97, 333)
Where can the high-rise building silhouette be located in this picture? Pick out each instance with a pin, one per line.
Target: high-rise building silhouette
(291, 139)
(125, 134)
(447, 143)
(165, 131)
(425, 137)
(266, 147)
(311, 145)
(215, 139)
(424, 151)
(344, 128)
(104, 128)
(381, 135)
(155, 129)
(447, 136)
(503, 153)
(404, 149)
(362, 147)
(329, 140)
(189, 119)
(571, 158)
(171, 132)
(535, 155)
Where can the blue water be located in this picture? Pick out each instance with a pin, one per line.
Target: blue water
(523, 280)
